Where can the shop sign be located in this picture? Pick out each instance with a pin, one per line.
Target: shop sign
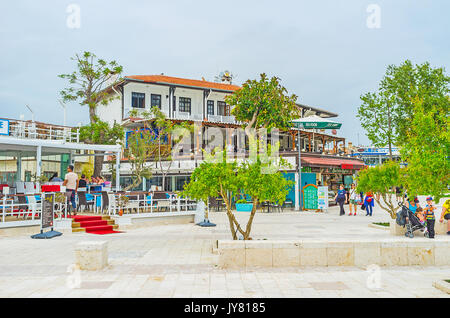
(4, 127)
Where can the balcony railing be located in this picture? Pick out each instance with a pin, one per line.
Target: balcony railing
(33, 130)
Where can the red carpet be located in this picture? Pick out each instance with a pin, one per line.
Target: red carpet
(94, 224)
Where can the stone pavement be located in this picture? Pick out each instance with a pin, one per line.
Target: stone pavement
(178, 261)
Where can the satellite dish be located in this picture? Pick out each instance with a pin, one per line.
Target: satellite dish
(225, 77)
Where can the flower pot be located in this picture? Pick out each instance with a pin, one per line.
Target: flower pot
(244, 207)
(120, 212)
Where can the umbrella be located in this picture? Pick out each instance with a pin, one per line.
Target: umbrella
(315, 122)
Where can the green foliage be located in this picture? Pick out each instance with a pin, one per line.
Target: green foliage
(99, 132)
(167, 129)
(378, 115)
(41, 179)
(227, 179)
(382, 180)
(140, 149)
(426, 150)
(387, 114)
(263, 104)
(88, 81)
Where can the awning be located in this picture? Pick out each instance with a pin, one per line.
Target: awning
(341, 163)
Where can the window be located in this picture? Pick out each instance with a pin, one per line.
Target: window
(137, 100)
(174, 103)
(155, 101)
(184, 104)
(223, 109)
(210, 107)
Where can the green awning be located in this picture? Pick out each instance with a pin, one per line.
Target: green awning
(315, 122)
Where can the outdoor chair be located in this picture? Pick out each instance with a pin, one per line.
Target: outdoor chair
(105, 201)
(112, 206)
(133, 203)
(23, 206)
(214, 203)
(82, 201)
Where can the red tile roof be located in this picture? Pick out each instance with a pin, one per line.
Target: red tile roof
(183, 81)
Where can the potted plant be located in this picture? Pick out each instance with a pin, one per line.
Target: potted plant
(243, 206)
(122, 203)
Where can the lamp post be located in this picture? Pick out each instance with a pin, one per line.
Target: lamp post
(64, 106)
(32, 113)
(299, 171)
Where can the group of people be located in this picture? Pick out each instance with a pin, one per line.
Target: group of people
(426, 215)
(354, 199)
(72, 183)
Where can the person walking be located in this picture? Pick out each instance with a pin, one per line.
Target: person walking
(71, 184)
(341, 197)
(353, 199)
(369, 203)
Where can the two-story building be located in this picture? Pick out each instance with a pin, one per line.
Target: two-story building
(203, 103)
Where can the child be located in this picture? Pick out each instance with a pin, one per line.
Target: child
(420, 215)
(429, 215)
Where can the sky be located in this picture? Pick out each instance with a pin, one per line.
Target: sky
(327, 52)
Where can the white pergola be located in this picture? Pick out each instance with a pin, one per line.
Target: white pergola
(40, 146)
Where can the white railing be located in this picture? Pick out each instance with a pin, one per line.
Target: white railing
(145, 204)
(10, 207)
(32, 130)
(222, 119)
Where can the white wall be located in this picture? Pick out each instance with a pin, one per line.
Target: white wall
(113, 111)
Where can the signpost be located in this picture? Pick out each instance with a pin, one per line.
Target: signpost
(310, 122)
(322, 197)
(47, 217)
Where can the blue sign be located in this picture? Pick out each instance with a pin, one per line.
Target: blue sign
(4, 127)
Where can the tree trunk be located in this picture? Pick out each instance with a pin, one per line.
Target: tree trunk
(250, 221)
(98, 164)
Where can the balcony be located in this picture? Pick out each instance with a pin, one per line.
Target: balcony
(222, 119)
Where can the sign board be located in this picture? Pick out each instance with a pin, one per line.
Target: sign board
(310, 197)
(47, 210)
(318, 125)
(347, 166)
(322, 197)
(4, 127)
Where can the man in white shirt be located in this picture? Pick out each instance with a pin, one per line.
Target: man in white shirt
(71, 184)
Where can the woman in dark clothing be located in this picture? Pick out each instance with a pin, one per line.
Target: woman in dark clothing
(341, 197)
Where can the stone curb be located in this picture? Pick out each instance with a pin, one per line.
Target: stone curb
(442, 285)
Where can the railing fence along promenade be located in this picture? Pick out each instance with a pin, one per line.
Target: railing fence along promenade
(29, 206)
(35, 130)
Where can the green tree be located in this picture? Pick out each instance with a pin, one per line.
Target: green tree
(387, 114)
(228, 180)
(168, 132)
(87, 84)
(378, 115)
(381, 181)
(140, 148)
(263, 104)
(407, 82)
(427, 149)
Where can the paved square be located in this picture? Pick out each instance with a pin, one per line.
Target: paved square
(177, 260)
